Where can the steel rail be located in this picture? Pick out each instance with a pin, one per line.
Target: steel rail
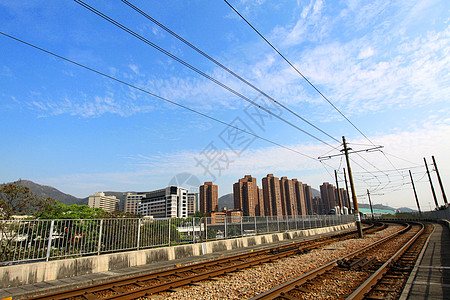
(287, 249)
(367, 285)
(146, 291)
(282, 289)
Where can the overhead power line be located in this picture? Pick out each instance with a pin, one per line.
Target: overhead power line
(153, 94)
(306, 79)
(176, 58)
(154, 21)
(407, 168)
(295, 68)
(121, 26)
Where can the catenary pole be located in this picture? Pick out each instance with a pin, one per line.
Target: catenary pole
(431, 184)
(415, 193)
(338, 193)
(440, 181)
(370, 203)
(348, 195)
(352, 186)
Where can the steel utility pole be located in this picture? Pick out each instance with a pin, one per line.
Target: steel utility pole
(338, 193)
(440, 181)
(370, 203)
(352, 186)
(348, 195)
(431, 184)
(415, 193)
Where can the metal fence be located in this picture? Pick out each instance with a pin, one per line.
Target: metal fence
(443, 214)
(42, 240)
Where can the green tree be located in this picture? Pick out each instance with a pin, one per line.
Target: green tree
(199, 214)
(74, 211)
(21, 236)
(19, 200)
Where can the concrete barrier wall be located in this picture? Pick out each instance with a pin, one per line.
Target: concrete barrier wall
(446, 223)
(17, 275)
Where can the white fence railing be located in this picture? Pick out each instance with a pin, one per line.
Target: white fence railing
(41, 240)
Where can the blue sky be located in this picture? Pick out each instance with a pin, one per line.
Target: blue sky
(385, 65)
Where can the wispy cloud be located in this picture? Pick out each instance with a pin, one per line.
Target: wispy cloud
(149, 171)
(6, 71)
(87, 108)
(134, 68)
(369, 73)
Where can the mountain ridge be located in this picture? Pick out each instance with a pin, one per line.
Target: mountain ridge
(46, 191)
(227, 200)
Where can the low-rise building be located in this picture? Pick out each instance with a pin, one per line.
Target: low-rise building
(132, 201)
(234, 216)
(107, 203)
(217, 217)
(170, 202)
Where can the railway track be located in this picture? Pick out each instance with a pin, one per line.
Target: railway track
(389, 282)
(373, 271)
(149, 284)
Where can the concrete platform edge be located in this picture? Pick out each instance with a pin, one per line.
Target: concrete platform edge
(412, 276)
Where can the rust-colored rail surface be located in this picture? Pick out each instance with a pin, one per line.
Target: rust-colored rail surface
(145, 285)
(389, 280)
(356, 274)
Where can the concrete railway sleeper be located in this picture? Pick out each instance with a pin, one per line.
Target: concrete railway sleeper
(390, 279)
(341, 277)
(144, 285)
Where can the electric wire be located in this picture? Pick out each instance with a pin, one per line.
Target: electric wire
(153, 94)
(406, 168)
(305, 78)
(198, 71)
(408, 161)
(171, 32)
(300, 73)
(114, 22)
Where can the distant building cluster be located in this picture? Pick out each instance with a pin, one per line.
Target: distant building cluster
(277, 197)
(170, 202)
(283, 197)
(332, 199)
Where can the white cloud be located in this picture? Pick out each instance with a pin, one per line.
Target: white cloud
(150, 171)
(134, 68)
(369, 73)
(6, 71)
(311, 25)
(366, 53)
(414, 75)
(356, 75)
(87, 108)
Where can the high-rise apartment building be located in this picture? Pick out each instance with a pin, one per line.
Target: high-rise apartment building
(260, 206)
(247, 197)
(272, 196)
(193, 203)
(308, 199)
(209, 198)
(107, 203)
(300, 198)
(170, 202)
(344, 199)
(328, 195)
(283, 196)
(288, 197)
(317, 205)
